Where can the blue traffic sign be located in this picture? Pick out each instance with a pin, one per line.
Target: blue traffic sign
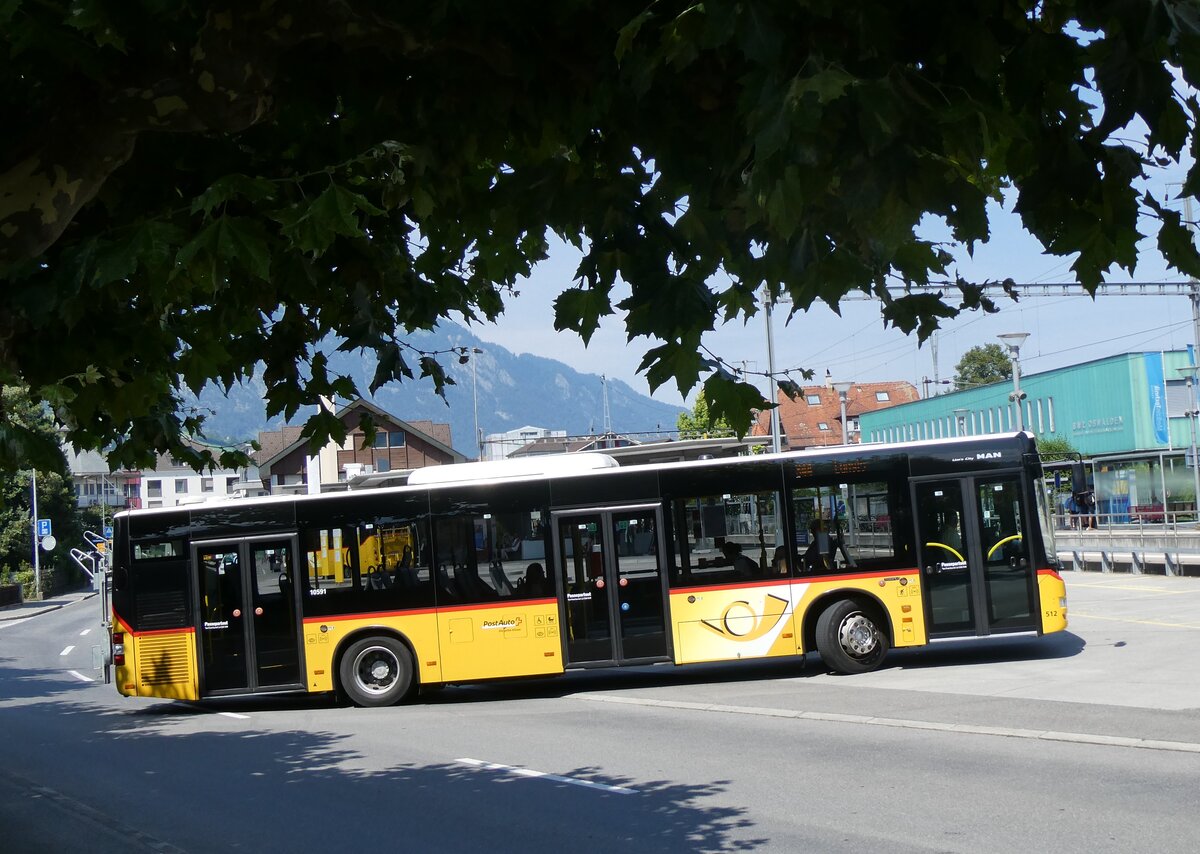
(108, 532)
(43, 527)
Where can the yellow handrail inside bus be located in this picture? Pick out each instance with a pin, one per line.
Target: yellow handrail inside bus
(950, 549)
(1002, 542)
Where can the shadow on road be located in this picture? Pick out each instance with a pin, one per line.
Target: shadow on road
(145, 770)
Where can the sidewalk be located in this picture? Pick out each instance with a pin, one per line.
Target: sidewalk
(22, 610)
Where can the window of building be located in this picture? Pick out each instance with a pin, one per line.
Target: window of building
(231, 483)
(1050, 412)
(181, 486)
(381, 439)
(396, 439)
(882, 395)
(154, 488)
(822, 425)
(206, 484)
(813, 399)
(382, 464)
(154, 504)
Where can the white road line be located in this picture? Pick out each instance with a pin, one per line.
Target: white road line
(529, 772)
(67, 650)
(80, 676)
(84, 632)
(234, 715)
(974, 729)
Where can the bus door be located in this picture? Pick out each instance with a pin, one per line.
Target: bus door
(974, 546)
(613, 581)
(248, 627)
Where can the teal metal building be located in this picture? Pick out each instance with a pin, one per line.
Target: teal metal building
(1128, 415)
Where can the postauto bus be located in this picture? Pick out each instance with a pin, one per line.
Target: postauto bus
(496, 570)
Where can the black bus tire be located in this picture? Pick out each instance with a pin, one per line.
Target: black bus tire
(850, 639)
(376, 671)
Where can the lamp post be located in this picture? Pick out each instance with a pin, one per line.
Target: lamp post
(842, 389)
(772, 396)
(1013, 341)
(475, 351)
(1190, 373)
(960, 421)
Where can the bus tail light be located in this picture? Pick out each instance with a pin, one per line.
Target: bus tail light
(119, 649)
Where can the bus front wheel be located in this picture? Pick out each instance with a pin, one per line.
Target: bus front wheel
(376, 671)
(849, 638)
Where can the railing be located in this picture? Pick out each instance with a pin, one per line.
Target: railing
(1156, 521)
(1170, 544)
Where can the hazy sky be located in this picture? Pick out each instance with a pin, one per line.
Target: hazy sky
(857, 347)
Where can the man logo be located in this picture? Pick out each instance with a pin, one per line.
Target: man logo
(988, 455)
(739, 622)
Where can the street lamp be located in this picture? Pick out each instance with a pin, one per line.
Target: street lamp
(475, 351)
(960, 421)
(1190, 373)
(1013, 341)
(842, 389)
(772, 395)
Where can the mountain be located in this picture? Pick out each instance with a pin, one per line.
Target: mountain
(512, 390)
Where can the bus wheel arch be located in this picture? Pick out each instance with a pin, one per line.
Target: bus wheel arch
(851, 631)
(376, 667)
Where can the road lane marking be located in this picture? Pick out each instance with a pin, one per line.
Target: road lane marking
(529, 772)
(1074, 613)
(80, 676)
(234, 715)
(84, 632)
(971, 729)
(67, 650)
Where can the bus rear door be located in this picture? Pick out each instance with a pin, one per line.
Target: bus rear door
(974, 546)
(248, 626)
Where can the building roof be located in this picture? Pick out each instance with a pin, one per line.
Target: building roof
(271, 442)
(801, 419)
(265, 461)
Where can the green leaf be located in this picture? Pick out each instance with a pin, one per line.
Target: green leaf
(231, 187)
(227, 240)
(1177, 243)
(733, 401)
(580, 310)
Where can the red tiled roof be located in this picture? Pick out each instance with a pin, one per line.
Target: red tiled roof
(800, 421)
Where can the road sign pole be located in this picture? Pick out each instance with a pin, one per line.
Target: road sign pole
(37, 566)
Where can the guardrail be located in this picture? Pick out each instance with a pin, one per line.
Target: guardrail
(1162, 542)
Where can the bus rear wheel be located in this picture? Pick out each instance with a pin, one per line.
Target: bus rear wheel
(376, 671)
(849, 638)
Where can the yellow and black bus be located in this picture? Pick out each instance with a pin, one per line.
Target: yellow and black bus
(497, 570)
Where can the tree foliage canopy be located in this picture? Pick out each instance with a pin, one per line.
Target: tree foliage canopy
(700, 422)
(982, 364)
(190, 189)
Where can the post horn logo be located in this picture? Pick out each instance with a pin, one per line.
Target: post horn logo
(739, 622)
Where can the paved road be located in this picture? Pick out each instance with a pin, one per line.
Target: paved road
(761, 756)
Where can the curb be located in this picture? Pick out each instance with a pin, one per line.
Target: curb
(15, 612)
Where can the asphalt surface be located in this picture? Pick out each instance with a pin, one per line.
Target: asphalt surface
(1084, 741)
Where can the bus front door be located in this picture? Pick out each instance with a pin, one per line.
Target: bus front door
(613, 584)
(973, 544)
(248, 628)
